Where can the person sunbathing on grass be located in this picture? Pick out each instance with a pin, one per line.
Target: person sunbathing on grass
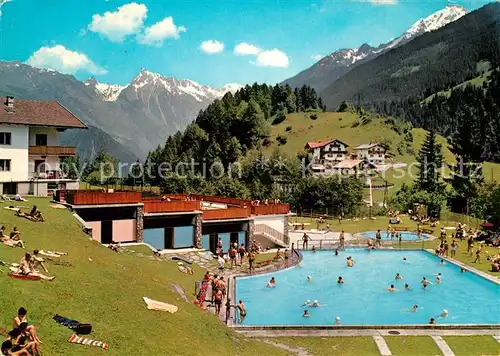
(8, 347)
(26, 267)
(114, 246)
(19, 341)
(22, 318)
(38, 261)
(35, 214)
(13, 240)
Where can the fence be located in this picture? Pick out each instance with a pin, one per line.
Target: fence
(94, 197)
(229, 213)
(171, 206)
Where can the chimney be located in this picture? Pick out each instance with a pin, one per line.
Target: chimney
(9, 102)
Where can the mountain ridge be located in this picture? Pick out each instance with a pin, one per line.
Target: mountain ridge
(151, 104)
(338, 63)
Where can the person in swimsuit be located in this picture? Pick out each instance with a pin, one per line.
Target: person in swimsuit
(398, 276)
(392, 289)
(407, 287)
(271, 283)
(454, 247)
(218, 301)
(251, 258)
(425, 282)
(342, 240)
(350, 262)
(285, 254)
(478, 254)
(414, 309)
(378, 238)
(242, 311)
(8, 349)
(305, 241)
(432, 321)
(306, 314)
(309, 279)
(232, 255)
(214, 284)
(241, 252)
(340, 280)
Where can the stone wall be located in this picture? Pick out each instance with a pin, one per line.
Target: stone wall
(139, 226)
(287, 238)
(197, 231)
(250, 232)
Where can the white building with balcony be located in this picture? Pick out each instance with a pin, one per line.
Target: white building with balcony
(30, 151)
(326, 154)
(372, 152)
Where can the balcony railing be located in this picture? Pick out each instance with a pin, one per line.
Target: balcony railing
(271, 209)
(229, 213)
(96, 197)
(171, 206)
(52, 150)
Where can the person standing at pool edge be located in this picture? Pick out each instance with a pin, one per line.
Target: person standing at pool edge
(242, 311)
(378, 239)
(305, 241)
(342, 240)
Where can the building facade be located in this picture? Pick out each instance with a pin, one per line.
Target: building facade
(372, 152)
(30, 150)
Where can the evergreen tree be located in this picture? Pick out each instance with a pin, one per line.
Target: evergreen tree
(430, 162)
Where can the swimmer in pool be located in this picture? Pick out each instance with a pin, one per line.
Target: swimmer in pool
(438, 279)
(314, 249)
(444, 313)
(309, 278)
(306, 314)
(340, 280)
(398, 276)
(337, 320)
(336, 252)
(271, 283)
(392, 289)
(412, 310)
(441, 262)
(432, 321)
(425, 282)
(350, 262)
(306, 303)
(316, 304)
(407, 287)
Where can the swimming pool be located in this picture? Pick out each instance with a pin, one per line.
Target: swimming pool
(406, 236)
(364, 299)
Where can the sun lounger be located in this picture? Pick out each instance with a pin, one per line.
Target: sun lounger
(51, 253)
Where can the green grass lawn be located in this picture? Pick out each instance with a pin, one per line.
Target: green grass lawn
(473, 345)
(412, 345)
(345, 346)
(107, 292)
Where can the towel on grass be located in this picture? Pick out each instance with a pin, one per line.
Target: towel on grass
(75, 339)
(155, 305)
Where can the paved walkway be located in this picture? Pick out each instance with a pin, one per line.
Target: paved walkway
(382, 345)
(443, 346)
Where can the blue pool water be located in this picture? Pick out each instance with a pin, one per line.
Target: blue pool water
(363, 299)
(406, 236)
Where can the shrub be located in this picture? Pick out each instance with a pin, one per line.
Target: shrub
(266, 142)
(281, 140)
(313, 116)
(288, 128)
(279, 118)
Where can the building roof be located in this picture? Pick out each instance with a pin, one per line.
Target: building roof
(318, 144)
(350, 163)
(38, 113)
(365, 146)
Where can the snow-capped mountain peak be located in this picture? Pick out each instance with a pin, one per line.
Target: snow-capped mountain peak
(108, 92)
(437, 20)
(181, 86)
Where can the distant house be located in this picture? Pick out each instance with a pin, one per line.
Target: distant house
(327, 153)
(354, 167)
(372, 152)
(29, 146)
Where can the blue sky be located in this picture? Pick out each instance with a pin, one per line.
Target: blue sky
(197, 39)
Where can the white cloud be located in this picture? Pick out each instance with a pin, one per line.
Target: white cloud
(246, 49)
(317, 57)
(212, 46)
(272, 58)
(115, 26)
(2, 3)
(63, 60)
(156, 34)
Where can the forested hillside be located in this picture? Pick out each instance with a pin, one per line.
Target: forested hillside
(430, 63)
(472, 110)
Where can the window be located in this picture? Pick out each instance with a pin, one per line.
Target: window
(5, 165)
(5, 138)
(41, 140)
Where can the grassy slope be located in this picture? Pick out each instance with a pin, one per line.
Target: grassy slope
(339, 126)
(107, 292)
(473, 345)
(412, 345)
